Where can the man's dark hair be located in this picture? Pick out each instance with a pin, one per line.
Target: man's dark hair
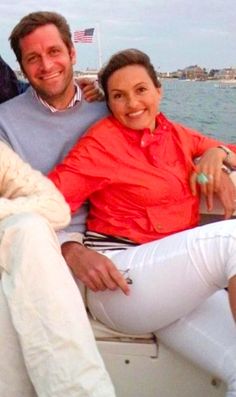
(35, 20)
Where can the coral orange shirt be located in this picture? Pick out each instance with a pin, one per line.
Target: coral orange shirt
(137, 182)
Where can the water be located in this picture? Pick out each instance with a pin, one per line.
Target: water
(203, 106)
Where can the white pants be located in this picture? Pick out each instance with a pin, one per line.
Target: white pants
(47, 347)
(170, 278)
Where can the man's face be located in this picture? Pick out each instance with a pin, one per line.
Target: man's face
(48, 65)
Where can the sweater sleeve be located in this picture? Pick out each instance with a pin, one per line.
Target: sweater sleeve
(24, 189)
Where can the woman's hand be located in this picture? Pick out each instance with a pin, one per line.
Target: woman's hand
(217, 181)
(90, 88)
(210, 165)
(96, 271)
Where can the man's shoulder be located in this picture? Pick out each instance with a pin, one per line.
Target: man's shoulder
(98, 107)
(17, 101)
(90, 113)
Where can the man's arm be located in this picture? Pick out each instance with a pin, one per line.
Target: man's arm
(8, 82)
(95, 270)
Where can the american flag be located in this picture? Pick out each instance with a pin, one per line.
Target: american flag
(84, 36)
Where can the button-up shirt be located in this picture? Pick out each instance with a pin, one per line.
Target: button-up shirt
(76, 98)
(137, 181)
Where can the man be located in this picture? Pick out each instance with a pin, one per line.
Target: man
(41, 305)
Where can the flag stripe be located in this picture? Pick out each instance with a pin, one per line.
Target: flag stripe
(84, 36)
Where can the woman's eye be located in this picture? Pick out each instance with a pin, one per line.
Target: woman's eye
(117, 96)
(142, 89)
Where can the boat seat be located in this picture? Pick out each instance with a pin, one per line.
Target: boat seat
(102, 332)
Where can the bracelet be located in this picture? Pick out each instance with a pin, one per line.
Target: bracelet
(226, 169)
(228, 153)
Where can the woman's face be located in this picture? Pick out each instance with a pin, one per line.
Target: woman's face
(133, 98)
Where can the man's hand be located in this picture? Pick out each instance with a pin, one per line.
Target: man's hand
(90, 88)
(95, 270)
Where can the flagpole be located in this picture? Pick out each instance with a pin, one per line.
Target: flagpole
(99, 46)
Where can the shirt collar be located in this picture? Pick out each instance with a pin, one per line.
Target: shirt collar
(76, 98)
(145, 137)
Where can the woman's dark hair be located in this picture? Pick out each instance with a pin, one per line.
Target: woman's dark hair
(35, 20)
(124, 58)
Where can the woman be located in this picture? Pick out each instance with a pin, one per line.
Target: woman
(134, 167)
(23, 189)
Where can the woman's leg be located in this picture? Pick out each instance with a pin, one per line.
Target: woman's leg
(47, 312)
(207, 337)
(170, 278)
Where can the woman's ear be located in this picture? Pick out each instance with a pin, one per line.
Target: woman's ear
(160, 92)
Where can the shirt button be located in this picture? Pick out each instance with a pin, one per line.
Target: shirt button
(159, 226)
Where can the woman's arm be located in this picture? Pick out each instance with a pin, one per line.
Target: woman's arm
(23, 189)
(207, 173)
(212, 165)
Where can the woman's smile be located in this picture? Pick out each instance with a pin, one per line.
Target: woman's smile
(133, 98)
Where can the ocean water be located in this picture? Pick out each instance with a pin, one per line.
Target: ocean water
(204, 106)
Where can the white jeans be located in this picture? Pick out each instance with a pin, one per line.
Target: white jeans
(47, 346)
(172, 280)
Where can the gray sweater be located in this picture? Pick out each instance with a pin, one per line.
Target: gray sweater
(43, 138)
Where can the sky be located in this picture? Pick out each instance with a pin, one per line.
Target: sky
(174, 33)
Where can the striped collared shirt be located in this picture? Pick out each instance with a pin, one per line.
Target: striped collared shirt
(76, 98)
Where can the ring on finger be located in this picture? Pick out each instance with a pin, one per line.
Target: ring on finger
(202, 178)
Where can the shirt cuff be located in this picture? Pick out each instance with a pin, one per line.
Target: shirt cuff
(64, 237)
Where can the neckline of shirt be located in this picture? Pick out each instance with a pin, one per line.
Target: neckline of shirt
(76, 98)
(162, 125)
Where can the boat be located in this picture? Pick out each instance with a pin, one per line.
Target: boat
(226, 84)
(142, 366)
